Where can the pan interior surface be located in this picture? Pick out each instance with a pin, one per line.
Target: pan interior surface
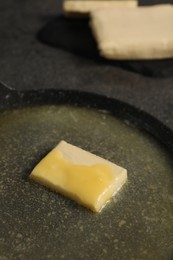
(40, 224)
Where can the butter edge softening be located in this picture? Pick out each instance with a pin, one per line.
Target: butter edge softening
(88, 159)
(78, 156)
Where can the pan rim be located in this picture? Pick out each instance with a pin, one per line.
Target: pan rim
(141, 119)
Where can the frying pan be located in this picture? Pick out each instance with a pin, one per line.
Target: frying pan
(37, 223)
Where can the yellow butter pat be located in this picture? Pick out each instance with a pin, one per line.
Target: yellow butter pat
(80, 175)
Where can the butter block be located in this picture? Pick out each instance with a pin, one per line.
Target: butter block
(84, 7)
(134, 33)
(80, 175)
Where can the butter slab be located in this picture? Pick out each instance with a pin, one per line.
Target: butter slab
(80, 175)
(138, 33)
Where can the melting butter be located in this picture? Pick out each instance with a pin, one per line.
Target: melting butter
(91, 185)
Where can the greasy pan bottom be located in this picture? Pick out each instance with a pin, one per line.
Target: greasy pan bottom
(40, 224)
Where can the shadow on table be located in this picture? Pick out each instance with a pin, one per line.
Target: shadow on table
(74, 35)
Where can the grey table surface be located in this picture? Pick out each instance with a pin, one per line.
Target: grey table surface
(26, 63)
